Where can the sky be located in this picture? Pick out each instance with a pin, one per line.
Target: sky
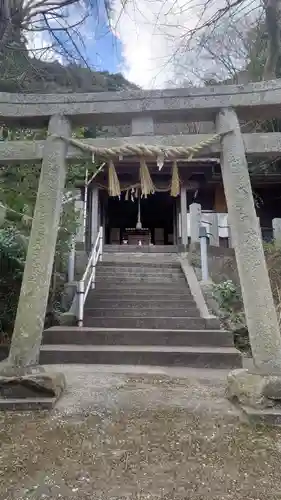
(148, 41)
(159, 38)
(151, 33)
(94, 40)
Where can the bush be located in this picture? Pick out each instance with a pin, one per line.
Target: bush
(229, 299)
(227, 295)
(13, 247)
(12, 258)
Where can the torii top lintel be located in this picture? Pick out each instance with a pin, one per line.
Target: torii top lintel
(251, 101)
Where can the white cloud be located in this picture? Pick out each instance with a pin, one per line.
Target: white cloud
(147, 30)
(154, 35)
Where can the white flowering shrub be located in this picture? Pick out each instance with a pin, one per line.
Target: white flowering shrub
(227, 295)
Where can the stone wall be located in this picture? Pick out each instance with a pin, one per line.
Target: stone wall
(221, 261)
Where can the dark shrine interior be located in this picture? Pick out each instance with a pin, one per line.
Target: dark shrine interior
(157, 215)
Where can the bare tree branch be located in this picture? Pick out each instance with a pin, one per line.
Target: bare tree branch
(34, 8)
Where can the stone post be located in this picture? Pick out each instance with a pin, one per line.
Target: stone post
(183, 212)
(245, 231)
(230, 240)
(214, 229)
(276, 225)
(195, 221)
(29, 324)
(94, 213)
(80, 233)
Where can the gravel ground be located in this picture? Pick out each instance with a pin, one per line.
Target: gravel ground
(163, 434)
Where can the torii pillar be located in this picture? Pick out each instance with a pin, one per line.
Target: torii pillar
(21, 375)
(258, 301)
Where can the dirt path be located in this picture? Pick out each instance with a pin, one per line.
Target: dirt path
(155, 436)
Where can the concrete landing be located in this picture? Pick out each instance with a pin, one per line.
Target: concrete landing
(120, 434)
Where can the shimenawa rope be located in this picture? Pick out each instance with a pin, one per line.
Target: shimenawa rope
(168, 152)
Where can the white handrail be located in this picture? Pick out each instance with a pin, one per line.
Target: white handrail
(88, 279)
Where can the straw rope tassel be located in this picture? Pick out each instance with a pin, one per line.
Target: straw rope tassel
(113, 181)
(147, 186)
(175, 184)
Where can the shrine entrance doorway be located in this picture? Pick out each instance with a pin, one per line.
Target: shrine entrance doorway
(144, 221)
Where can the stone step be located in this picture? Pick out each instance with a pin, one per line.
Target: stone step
(144, 249)
(141, 268)
(134, 293)
(139, 295)
(114, 274)
(151, 263)
(139, 303)
(144, 279)
(114, 336)
(143, 287)
(198, 357)
(139, 257)
(95, 312)
(128, 259)
(148, 264)
(182, 323)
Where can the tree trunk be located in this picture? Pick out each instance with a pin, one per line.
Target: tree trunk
(272, 17)
(11, 13)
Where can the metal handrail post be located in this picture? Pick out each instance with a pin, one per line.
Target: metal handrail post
(71, 261)
(88, 280)
(81, 298)
(101, 244)
(93, 271)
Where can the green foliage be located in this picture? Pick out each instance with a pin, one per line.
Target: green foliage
(230, 304)
(18, 191)
(21, 73)
(18, 188)
(231, 313)
(12, 258)
(13, 247)
(226, 295)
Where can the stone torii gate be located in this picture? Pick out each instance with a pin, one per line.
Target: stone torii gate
(225, 106)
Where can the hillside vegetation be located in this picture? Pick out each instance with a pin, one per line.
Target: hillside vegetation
(21, 73)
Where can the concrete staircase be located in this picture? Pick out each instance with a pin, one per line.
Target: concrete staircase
(141, 312)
